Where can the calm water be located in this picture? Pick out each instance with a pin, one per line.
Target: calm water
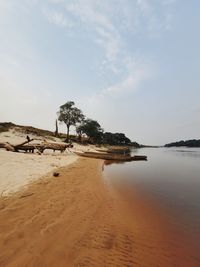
(171, 176)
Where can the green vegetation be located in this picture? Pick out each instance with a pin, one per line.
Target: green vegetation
(5, 126)
(70, 115)
(187, 143)
(92, 129)
(115, 139)
(88, 130)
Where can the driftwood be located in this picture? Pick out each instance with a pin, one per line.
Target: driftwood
(25, 146)
(42, 147)
(14, 148)
(26, 142)
(7, 146)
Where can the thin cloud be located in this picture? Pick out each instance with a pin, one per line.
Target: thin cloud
(95, 14)
(130, 83)
(137, 73)
(58, 18)
(112, 21)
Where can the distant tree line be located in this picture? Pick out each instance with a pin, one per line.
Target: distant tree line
(187, 143)
(72, 116)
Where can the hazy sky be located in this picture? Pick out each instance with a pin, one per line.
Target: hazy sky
(133, 65)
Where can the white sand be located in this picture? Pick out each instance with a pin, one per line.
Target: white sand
(15, 137)
(19, 169)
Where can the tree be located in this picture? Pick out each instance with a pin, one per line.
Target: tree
(92, 129)
(116, 139)
(70, 115)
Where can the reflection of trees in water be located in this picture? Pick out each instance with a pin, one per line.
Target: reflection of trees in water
(187, 153)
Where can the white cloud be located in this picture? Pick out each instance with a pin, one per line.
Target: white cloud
(96, 14)
(137, 73)
(130, 83)
(113, 20)
(58, 18)
(110, 42)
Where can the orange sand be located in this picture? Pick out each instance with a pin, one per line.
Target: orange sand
(76, 220)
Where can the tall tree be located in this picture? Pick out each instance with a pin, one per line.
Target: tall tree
(70, 115)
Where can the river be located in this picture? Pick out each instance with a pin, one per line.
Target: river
(171, 178)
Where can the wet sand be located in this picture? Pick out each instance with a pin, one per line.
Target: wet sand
(77, 220)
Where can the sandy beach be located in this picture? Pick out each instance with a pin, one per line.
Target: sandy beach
(76, 219)
(20, 169)
(99, 133)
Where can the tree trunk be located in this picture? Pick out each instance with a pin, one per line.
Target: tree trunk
(56, 131)
(68, 133)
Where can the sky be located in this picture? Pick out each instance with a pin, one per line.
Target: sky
(132, 65)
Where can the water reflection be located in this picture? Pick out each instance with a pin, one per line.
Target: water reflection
(172, 177)
(186, 152)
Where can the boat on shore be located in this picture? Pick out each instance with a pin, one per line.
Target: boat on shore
(113, 157)
(121, 151)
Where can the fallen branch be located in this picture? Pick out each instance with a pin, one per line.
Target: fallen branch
(26, 142)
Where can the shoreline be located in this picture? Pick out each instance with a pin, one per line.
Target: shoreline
(77, 220)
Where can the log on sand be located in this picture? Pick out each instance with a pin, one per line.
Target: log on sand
(42, 147)
(31, 147)
(7, 146)
(14, 148)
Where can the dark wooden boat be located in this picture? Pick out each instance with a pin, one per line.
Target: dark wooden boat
(114, 157)
(115, 151)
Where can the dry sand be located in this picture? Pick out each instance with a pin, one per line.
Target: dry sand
(19, 169)
(15, 136)
(77, 220)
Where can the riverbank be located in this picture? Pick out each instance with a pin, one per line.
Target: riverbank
(77, 220)
(19, 169)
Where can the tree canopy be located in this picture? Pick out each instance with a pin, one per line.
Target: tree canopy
(116, 139)
(70, 115)
(92, 129)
